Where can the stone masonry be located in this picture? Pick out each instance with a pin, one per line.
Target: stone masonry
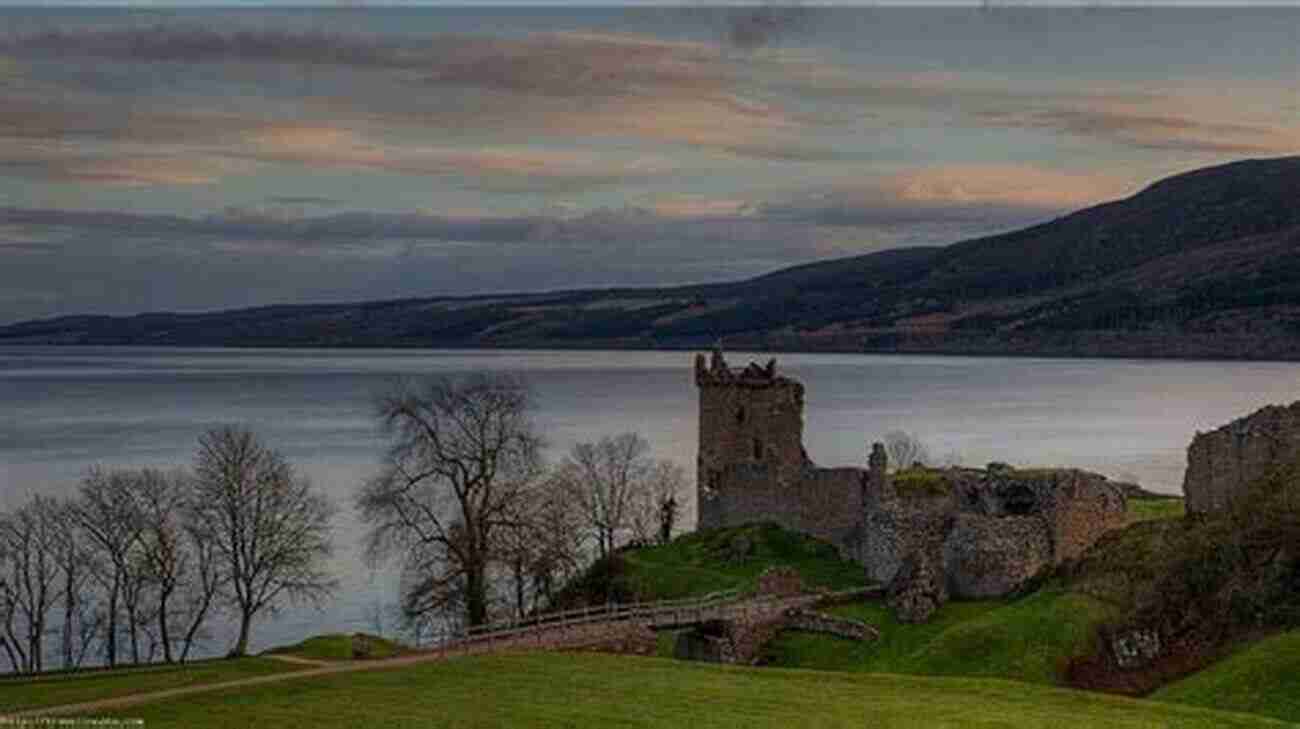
(987, 531)
(1223, 462)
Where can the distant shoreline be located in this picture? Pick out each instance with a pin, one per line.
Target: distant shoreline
(732, 344)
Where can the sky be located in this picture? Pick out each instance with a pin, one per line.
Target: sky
(187, 159)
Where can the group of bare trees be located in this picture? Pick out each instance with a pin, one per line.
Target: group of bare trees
(137, 562)
(478, 521)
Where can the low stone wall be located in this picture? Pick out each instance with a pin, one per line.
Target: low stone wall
(781, 581)
(811, 621)
(626, 639)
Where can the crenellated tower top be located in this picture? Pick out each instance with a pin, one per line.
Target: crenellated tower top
(715, 372)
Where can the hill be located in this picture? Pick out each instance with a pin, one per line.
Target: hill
(541, 689)
(1260, 678)
(1201, 264)
(1030, 639)
(700, 563)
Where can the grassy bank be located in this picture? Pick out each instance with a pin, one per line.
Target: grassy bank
(1030, 639)
(704, 562)
(1260, 678)
(1151, 509)
(341, 647)
(549, 690)
(18, 694)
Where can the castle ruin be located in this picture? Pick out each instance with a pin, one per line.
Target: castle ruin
(1224, 462)
(985, 531)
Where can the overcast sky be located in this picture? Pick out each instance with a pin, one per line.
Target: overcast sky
(197, 159)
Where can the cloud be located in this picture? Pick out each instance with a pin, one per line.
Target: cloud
(1164, 123)
(196, 44)
(499, 167)
(977, 198)
(1189, 116)
(559, 84)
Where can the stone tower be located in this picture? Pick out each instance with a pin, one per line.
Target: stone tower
(751, 428)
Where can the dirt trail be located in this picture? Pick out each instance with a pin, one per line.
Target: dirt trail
(551, 638)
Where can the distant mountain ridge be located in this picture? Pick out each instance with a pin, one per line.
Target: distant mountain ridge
(1201, 264)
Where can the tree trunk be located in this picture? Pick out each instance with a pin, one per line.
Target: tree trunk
(475, 595)
(192, 632)
(133, 626)
(162, 627)
(69, 608)
(110, 645)
(520, 576)
(245, 623)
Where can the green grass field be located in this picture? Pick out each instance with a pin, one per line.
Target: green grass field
(18, 694)
(1029, 639)
(1260, 678)
(589, 690)
(340, 647)
(1152, 509)
(705, 562)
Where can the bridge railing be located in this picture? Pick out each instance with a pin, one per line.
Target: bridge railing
(610, 612)
(659, 613)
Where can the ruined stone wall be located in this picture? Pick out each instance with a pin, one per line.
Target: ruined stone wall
(893, 529)
(780, 581)
(1083, 506)
(745, 493)
(1076, 507)
(1223, 462)
(990, 556)
(823, 502)
(830, 507)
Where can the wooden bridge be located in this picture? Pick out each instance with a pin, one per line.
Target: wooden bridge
(555, 629)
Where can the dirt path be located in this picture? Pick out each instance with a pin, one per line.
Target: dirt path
(559, 638)
(299, 660)
(312, 669)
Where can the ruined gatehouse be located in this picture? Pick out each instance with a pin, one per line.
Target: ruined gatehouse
(985, 531)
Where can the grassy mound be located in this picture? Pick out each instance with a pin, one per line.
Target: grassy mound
(1152, 507)
(1261, 678)
(703, 562)
(921, 482)
(589, 690)
(1030, 639)
(18, 693)
(341, 647)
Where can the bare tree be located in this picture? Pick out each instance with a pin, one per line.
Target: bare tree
(163, 501)
(269, 527)
(108, 516)
(462, 452)
(76, 564)
(8, 610)
(542, 545)
(905, 450)
(204, 580)
(657, 503)
(619, 488)
(30, 580)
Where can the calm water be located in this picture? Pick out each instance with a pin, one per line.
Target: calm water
(64, 409)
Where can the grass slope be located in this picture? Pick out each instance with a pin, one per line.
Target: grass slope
(17, 694)
(1152, 509)
(1029, 639)
(566, 690)
(700, 563)
(341, 647)
(1261, 678)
